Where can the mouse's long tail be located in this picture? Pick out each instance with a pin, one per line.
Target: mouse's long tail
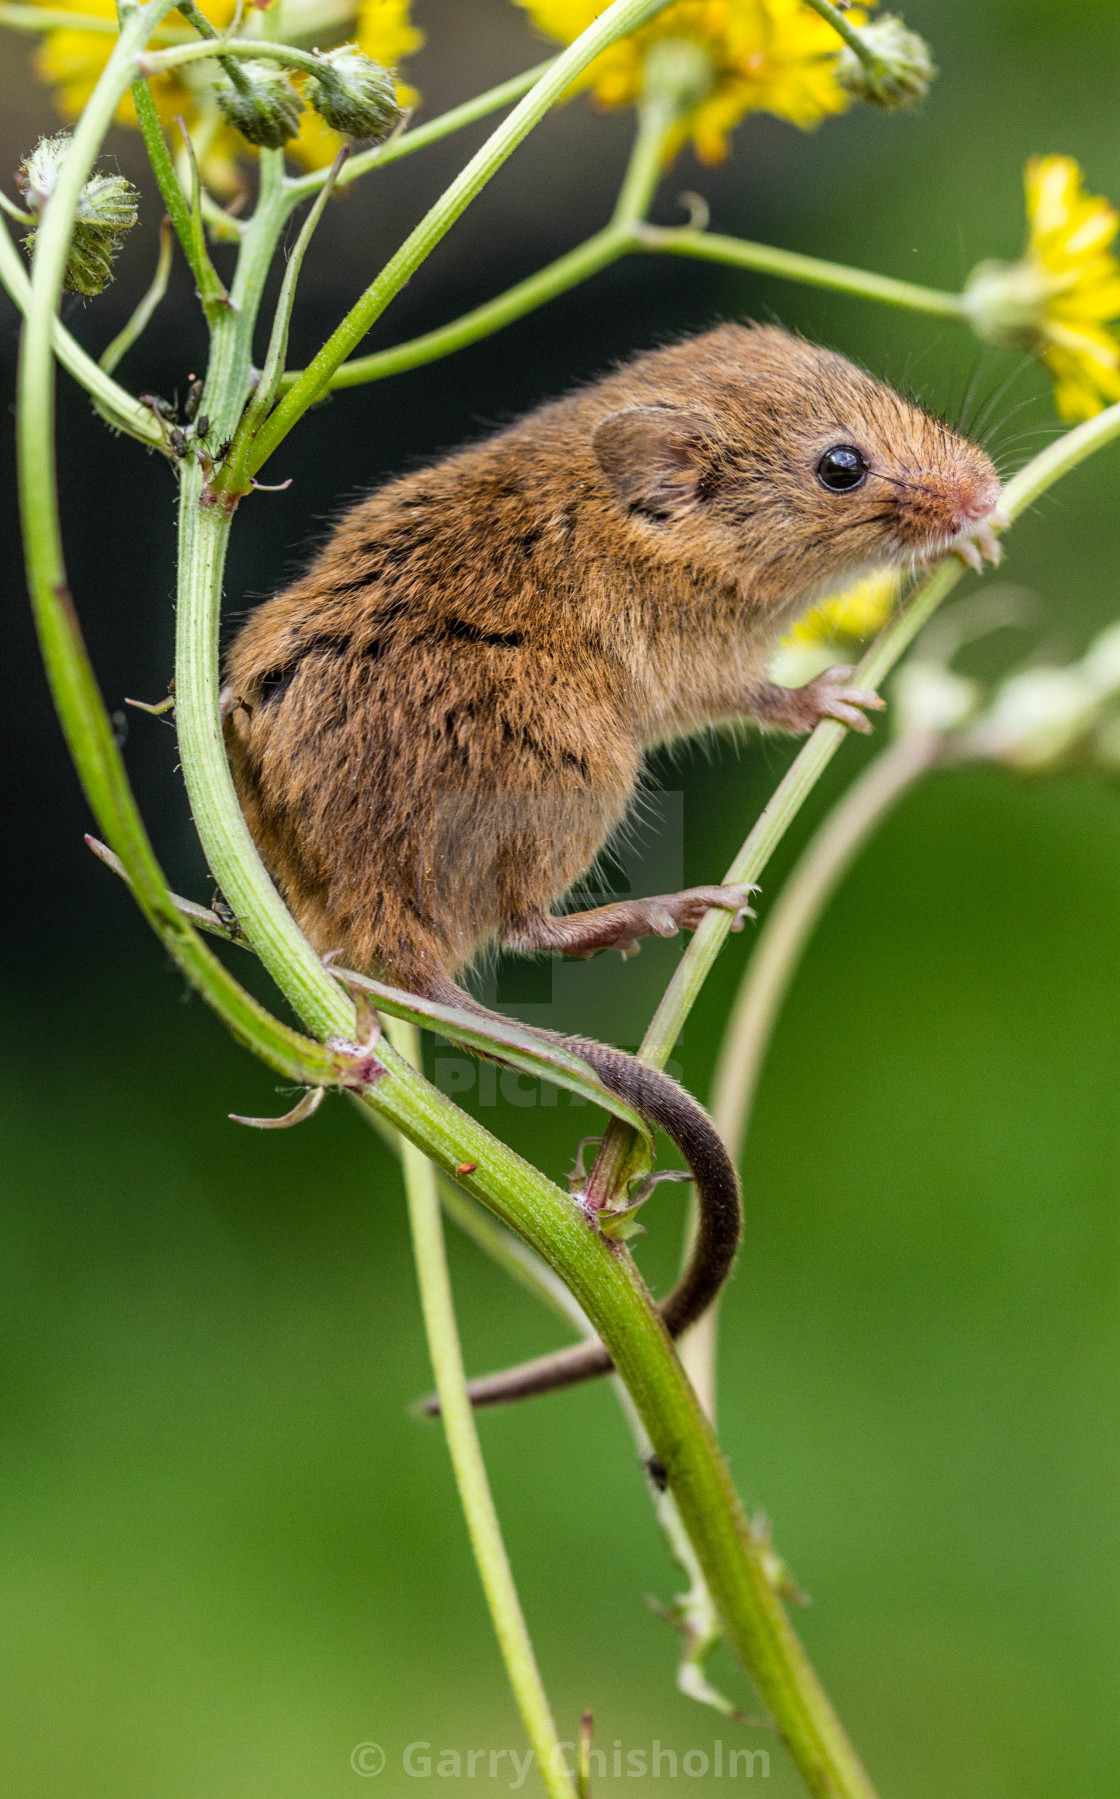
(719, 1210)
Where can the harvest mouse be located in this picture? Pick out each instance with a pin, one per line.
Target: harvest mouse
(438, 727)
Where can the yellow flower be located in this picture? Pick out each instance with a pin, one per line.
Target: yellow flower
(767, 55)
(385, 32)
(71, 61)
(831, 629)
(1061, 298)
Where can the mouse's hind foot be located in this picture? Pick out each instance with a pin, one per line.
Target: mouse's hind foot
(622, 925)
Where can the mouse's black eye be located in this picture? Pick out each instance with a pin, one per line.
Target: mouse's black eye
(841, 468)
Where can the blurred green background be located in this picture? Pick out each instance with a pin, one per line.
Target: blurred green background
(228, 1553)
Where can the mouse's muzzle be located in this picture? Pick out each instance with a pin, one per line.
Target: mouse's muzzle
(954, 505)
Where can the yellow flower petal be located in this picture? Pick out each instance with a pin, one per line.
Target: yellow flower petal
(769, 55)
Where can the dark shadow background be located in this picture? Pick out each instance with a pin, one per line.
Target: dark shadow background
(228, 1553)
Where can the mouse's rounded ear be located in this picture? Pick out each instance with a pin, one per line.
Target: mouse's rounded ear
(653, 458)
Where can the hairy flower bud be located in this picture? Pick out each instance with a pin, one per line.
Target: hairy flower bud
(107, 208)
(263, 106)
(902, 71)
(354, 95)
(1006, 303)
(680, 72)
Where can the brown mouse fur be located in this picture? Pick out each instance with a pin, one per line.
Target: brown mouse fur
(436, 729)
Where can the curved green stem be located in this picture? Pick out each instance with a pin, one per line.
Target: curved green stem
(138, 322)
(438, 1306)
(213, 46)
(617, 21)
(566, 272)
(595, 253)
(74, 687)
(656, 117)
(113, 401)
(625, 234)
(38, 19)
(163, 168)
(793, 918)
(268, 381)
(737, 252)
(845, 29)
(381, 155)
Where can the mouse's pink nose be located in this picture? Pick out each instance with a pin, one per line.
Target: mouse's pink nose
(976, 498)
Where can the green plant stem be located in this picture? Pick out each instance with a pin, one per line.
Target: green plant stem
(709, 246)
(115, 403)
(268, 381)
(438, 1306)
(209, 284)
(601, 1277)
(695, 965)
(213, 46)
(619, 239)
(381, 155)
(163, 168)
(38, 19)
(794, 917)
(617, 21)
(656, 117)
(138, 323)
(596, 253)
(73, 684)
(846, 30)
(607, 1286)
(772, 966)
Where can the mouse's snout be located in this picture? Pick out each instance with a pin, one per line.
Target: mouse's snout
(976, 497)
(952, 502)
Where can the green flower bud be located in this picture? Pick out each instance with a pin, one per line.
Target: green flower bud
(354, 95)
(903, 68)
(263, 105)
(107, 208)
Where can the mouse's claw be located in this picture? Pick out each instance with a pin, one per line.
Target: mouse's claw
(981, 542)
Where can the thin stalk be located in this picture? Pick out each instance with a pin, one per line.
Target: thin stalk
(597, 252)
(619, 1147)
(509, 1254)
(847, 31)
(656, 116)
(794, 917)
(268, 382)
(114, 402)
(211, 287)
(381, 155)
(37, 19)
(709, 246)
(138, 323)
(40, 19)
(438, 1306)
(214, 46)
(774, 961)
(626, 234)
(617, 21)
(163, 168)
(609, 1289)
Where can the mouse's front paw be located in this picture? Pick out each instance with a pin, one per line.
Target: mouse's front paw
(829, 697)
